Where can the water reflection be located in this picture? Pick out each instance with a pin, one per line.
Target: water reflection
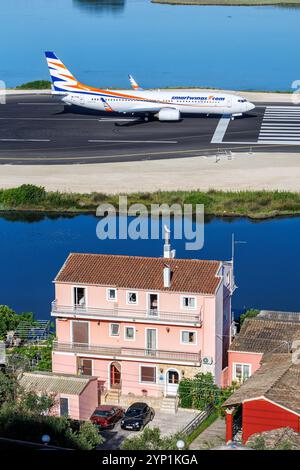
(100, 6)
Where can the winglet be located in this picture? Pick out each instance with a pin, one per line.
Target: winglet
(133, 83)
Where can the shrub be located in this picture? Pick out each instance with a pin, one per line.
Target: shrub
(35, 85)
(24, 195)
(184, 392)
(201, 392)
(151, 439)
(29, 426)
(88, 436)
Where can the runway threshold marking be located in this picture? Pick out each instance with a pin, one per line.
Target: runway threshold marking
(280, 125)
(221, 129)
(135, 141)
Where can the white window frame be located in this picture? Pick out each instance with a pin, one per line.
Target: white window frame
(110, 330)
(85, 294)
(127, 297)
(107, 294)
(188, 331)
(156, 336)
(188, 296)
(148, 302)
(242, 379)
(125, 328)
(140, 374)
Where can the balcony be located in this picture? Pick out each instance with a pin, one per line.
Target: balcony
(161, 356)
(123, 314)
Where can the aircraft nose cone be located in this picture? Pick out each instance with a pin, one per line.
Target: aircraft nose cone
(250, 106)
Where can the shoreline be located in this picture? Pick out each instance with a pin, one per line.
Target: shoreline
(237, 3)
(256, 205)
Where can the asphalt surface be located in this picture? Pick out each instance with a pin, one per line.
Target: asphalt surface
(40, 130)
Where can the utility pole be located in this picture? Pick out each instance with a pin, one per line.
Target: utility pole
(233, 243)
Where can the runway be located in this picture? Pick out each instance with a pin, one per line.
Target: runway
(37, 129)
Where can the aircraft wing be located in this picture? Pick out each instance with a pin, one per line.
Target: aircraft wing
(152, 109)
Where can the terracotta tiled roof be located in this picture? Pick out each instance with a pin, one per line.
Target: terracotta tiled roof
(278, 380)
(293, 317)
(134, 272)
(262, 336)
(277, 437)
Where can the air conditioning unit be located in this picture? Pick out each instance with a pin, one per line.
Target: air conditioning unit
(207, 360)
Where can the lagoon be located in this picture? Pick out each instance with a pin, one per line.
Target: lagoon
(34, 246)
(102, 41)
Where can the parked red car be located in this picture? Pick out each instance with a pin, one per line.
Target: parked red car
(106, 416)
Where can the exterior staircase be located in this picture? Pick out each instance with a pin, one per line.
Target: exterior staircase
(169, 405)
(112, 397)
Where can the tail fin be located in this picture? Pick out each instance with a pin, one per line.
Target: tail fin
(62, 78)
(133, 83)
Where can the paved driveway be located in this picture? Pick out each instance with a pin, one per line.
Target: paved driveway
(167, 423)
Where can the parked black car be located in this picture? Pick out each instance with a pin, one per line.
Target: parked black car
(137, 416)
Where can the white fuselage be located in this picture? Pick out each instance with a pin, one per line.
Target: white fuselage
(186, 102)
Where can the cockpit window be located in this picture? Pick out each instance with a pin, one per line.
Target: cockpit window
(242, 101)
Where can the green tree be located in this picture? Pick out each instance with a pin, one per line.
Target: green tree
(199, 392)
(8, 320)
(33, 403)
(7, 389)
(151, 439)
(251, 313)
(35, 85)
(41, 355)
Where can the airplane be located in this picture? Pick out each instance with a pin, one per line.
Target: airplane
(165, 105)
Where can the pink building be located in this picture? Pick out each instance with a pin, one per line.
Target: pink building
(141, 324)
(269, 332)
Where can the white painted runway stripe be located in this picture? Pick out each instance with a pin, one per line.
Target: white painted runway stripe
(273, 113)
(277, 119)
(273, 134)
(281, 124)
(135, 141)
(284, 107)
(280, 138)
(278, 142)
(221, 129)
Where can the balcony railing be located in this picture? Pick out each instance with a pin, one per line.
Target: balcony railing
(122, 353)
(189, 317)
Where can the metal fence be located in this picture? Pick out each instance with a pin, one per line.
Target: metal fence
(197, 421)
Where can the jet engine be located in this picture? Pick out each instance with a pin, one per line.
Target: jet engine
(168, 114)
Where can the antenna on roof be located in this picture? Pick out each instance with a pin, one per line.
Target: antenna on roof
(168, 253)
(233, 243)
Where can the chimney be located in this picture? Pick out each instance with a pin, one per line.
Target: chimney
(167, 276)
(168, 253)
